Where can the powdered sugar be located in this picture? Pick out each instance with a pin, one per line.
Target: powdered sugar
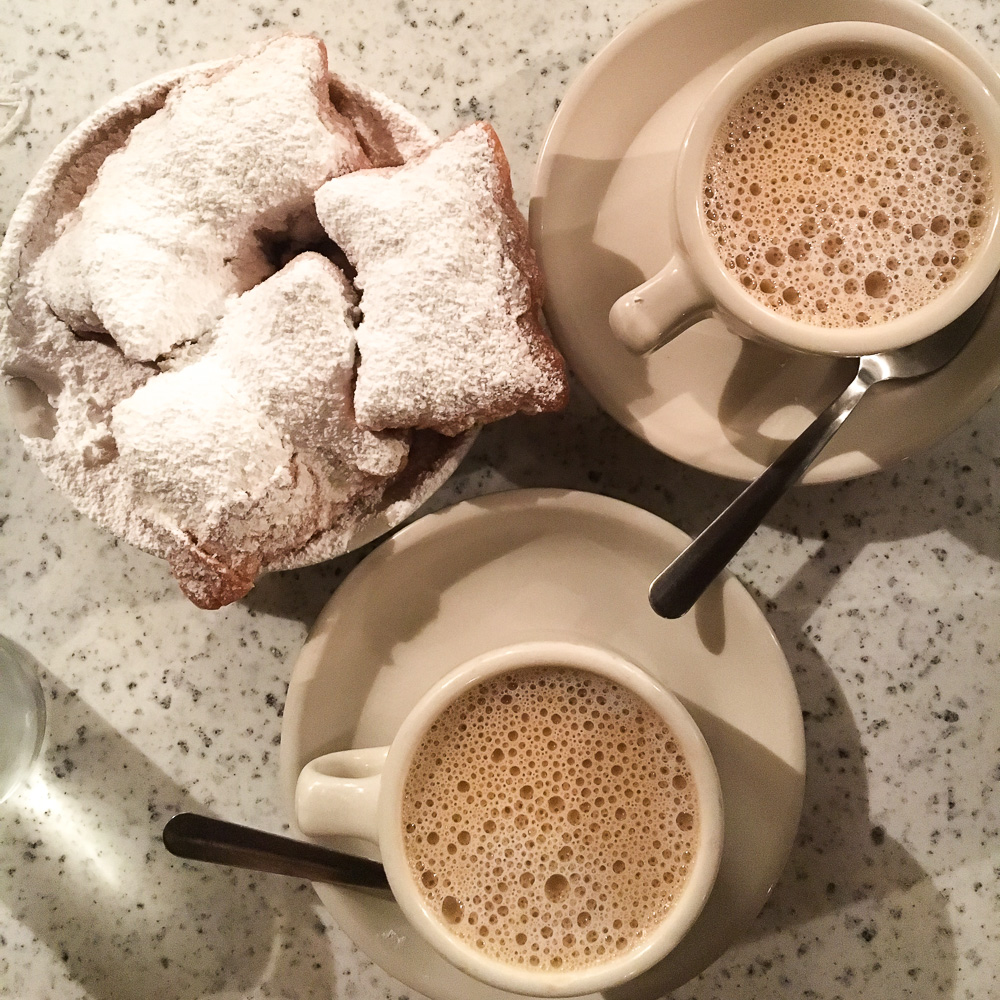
(442, 340)
(173, 217)
(167, 435)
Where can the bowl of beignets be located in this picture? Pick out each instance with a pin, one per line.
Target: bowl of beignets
(253, 315)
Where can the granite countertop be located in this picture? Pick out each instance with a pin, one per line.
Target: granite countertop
(884, 593)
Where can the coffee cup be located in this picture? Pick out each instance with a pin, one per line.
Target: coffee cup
(548, 815)
(833, 195)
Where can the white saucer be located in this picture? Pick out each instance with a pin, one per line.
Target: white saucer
(708, 398)
(551, 564)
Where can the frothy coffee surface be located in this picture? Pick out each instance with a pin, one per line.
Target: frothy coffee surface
(550, 818)
(847, 189)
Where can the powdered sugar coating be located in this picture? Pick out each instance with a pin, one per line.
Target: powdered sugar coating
(171, 227)
(191, 410)
(847, 189)
(449, 335)
(291, 339)
(285, 468)
(550, 818)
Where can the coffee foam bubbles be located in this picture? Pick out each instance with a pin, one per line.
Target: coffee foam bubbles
(550, 819)
(847, 189)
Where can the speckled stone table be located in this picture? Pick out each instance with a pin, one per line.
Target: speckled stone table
(884, 592)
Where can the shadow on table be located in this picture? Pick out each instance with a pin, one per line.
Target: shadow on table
(946, 488)
(83, 867)
(894, 926)
(299, 594)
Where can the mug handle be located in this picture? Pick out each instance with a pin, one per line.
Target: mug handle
(338, 794)
(665, 305)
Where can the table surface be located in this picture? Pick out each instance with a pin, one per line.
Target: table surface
(884, 593)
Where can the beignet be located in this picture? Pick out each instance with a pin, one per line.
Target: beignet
(450, 334)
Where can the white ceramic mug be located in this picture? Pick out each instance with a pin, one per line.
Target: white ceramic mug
(360, 793)
(695, 282)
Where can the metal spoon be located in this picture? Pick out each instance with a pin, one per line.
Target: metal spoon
(202, 838)
(676, 589)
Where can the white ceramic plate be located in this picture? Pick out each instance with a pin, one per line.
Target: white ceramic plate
(597, 220)
(551, 564)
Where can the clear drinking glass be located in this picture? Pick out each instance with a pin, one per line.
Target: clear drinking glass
(22, 715)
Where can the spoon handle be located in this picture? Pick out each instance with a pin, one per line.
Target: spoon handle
(676, 589)
(203, 838)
